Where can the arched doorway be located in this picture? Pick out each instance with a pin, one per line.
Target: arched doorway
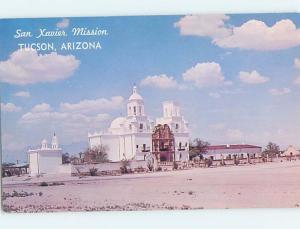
(163, 143)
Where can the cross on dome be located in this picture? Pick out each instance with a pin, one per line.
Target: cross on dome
(135, 95)
(134, 90)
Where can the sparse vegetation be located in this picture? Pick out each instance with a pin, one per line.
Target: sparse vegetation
(125, 168)
(66, 158)
(93, 171)
(56, 183)
(44, 184)
(271, 151)
(208, 162)
(6, 195)
(96, 155)
(175, 165)
(197, 148)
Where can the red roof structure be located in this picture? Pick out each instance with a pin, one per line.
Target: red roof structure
(241, 146)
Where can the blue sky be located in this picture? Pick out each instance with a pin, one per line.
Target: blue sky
(196, 62)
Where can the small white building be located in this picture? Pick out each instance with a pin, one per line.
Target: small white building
(291, 151)
(130, 137)
(46, 159)
(217, 152)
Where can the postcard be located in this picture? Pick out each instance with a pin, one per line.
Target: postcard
(169, 112)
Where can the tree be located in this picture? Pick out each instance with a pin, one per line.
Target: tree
(271, 150)
(96, 154)
(66, 158)
(198, 147)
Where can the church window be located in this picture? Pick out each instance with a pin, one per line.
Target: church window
(141, 126)
(180, 145)
(130, 127)
(177, 126)
(140, 110)
(137, 146)
(144, 147)
(134, 110)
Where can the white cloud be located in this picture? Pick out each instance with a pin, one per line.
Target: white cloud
(161, 81)
(74, 120)
(214, 95)
(209, 25)
(257, 35)
(297, 63)
(9, 142)
(97, 105)
(252, 77)
(28, 67)
(74, 126)
(64, 23)
(297, 81)
(24, 94)
(63, 118)
(10, 107)
(42, 107)
(253, 34)
(280, 91)
(205, 75)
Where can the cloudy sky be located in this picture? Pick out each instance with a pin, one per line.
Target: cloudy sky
(236, 77)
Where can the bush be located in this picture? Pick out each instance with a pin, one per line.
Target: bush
(93, 171)
(43, 183)
(56, 183)
(125, 166)
(208, 162)
(175, 165)
(236, 161)
(150, 165)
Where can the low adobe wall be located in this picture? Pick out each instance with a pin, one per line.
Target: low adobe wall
(107, 168)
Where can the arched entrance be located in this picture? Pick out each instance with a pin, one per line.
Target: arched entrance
(163, 143)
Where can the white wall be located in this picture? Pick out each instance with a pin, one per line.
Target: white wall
(33, 163)
(45, 161)
(225, 152)
(110, 166)
(49, 162)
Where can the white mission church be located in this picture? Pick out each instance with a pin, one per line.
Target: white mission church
(131, 137)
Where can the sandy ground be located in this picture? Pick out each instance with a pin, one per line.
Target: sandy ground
(269, 185)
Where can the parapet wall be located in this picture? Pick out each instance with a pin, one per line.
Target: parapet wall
(109, 168)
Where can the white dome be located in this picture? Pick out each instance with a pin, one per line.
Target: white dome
(44, 141)
(117, 123)
(135, 95)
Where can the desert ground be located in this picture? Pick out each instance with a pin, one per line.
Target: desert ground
(267, 185)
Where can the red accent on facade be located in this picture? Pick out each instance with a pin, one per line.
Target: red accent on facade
(163, 143)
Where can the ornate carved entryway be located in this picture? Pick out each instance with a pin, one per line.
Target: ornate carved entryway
(163, 143)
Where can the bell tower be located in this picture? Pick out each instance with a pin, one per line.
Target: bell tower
(135, 105)
(54, 144)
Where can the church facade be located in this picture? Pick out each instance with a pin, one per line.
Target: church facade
(130, 137)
